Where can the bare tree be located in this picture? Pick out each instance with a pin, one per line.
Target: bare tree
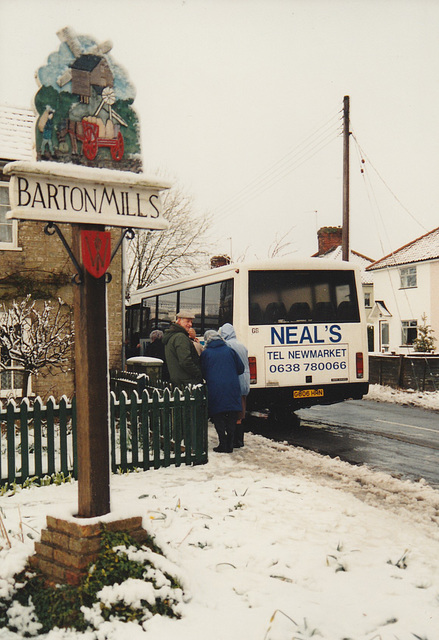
(280, 247)
(35, 340)
(180, 249)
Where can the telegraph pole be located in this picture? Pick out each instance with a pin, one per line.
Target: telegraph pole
(346, 134)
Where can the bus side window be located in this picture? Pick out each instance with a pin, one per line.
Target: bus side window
(212, 294)
(226, 302)
(167, 308)
(191, 299)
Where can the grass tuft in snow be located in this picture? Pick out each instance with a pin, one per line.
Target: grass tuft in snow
(128, 582)
(301, 631)
(10, 489)
(336, 560)
(401, 563)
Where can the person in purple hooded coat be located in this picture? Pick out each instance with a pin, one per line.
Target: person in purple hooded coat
(221, 368)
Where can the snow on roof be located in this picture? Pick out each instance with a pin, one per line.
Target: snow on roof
(336, 253)
(424, 248)
(84, 174)
(16, 133)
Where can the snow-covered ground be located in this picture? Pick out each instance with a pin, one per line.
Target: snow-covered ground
(271, 543)
(426, 400)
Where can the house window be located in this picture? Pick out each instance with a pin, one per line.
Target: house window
(367, 303)
(8, 228)
(408, 277)
(384, 336)
(409, 331)
(11, 377)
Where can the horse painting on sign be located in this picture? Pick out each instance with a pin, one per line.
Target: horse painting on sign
(84, 107)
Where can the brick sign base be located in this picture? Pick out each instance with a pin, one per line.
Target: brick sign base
(67, 548)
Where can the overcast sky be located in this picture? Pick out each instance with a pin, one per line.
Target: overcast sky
(240, 103)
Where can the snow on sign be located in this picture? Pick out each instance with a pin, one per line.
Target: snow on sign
(87, 145)
(68, 193)
(84, 106)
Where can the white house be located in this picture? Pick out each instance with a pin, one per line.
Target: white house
(406, 287)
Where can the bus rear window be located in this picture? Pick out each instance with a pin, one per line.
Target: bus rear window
(279, 297)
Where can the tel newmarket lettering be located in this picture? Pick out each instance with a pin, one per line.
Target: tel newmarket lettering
(63, 197)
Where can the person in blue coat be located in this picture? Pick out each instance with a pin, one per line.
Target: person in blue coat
(221, 368)
(228, 334)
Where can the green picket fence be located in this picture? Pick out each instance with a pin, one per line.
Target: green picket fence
(37, 440)
(157, 429)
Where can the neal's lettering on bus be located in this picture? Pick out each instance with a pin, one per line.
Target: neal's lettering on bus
(306, 335)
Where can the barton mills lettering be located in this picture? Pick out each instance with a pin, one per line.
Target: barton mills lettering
(64, 197)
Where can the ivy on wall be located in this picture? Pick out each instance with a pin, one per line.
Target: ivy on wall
(39, 284)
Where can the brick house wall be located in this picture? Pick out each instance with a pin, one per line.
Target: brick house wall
(43, 269)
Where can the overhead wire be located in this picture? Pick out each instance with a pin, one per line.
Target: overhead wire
(294, 158)
(267, 185)
(294, 150)
(376, 208)
(250, 193)
(371, 196)
(386, 185)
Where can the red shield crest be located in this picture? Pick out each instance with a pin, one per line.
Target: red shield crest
(96, 251)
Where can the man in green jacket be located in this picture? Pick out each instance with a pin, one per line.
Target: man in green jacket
(181, 356)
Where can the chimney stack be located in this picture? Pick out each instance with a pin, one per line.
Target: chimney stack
(328, 238)
(219, 261)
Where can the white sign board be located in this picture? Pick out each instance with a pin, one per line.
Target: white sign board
(54, 192)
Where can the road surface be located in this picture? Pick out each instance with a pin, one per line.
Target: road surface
(400, 440)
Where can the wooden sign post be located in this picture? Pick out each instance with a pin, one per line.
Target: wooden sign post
(92, 406)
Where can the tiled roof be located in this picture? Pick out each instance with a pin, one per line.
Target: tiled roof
(424, 248)
(336, 253)
(17, 128)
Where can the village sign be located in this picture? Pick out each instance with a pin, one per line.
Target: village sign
(87, 173)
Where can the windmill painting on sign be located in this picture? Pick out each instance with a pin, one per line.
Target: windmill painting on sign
(84, 107)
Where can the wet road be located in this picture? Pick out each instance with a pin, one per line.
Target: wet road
(400, 440)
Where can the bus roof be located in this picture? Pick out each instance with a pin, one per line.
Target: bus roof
(220, 273)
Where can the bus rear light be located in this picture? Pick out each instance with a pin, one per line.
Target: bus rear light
(253, 370)
(359, 364)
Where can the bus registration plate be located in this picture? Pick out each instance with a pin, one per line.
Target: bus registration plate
(308, 393)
